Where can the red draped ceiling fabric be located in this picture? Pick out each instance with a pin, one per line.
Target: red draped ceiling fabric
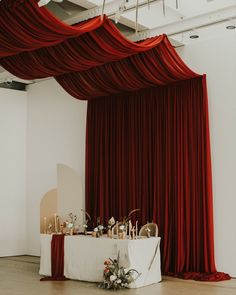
(147, 138)
(84, 58)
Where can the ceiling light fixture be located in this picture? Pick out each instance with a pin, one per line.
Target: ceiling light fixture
(193, 34)
(230, 27)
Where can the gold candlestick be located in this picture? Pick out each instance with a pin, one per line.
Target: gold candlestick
(133, 234)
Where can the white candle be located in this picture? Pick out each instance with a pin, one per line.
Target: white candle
(117, 230)
(136, 229)
(58, 224)
(45, 225)
(130, 228)
(55, 222)
(133, 229)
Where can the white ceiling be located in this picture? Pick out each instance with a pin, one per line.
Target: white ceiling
(206, 17)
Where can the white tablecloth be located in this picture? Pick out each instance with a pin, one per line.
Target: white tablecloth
(84, 258)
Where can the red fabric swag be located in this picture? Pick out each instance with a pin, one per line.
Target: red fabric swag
(25, 27)
(157, 66)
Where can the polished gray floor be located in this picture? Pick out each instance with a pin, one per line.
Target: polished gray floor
(19, 276)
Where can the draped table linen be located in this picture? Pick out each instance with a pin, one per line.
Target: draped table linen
(84, 258)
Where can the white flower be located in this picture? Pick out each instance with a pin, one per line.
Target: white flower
(113, 278)
(118, 281)
(85, 225)
(100, 227)
(70, 225)
(122, 227)
(96, 229)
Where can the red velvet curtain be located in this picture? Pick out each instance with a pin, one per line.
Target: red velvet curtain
(150, 150)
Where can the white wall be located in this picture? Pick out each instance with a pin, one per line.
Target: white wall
(217, 58)
(56, 134)
(13, 113)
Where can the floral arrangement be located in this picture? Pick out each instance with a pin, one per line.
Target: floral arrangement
(70, 223)
(98, 230)
(87, 220)
(116, 276)
(71, 220)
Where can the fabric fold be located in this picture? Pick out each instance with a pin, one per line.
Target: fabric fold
(57, 259)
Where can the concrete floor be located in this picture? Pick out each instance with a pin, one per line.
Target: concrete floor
(19, 276)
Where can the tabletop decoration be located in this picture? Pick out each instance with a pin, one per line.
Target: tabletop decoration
(133, 231)
(126, 219)
(117, 277)
(148, 232)
(87, 220)
(98, 230)
(100, 226)
(111, 223)
(95, 233)
(123, 231)
(70, 227)
(56, 223)
(71, 223)
(62, 227)
(49, 231)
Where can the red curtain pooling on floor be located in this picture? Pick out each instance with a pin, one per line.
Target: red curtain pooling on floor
(147, 137)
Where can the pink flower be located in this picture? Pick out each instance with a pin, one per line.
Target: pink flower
(107, 262)
(106, 270)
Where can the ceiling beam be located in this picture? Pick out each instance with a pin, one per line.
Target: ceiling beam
(5, 76)
(83, 3)
(110, 10)
(187, 24)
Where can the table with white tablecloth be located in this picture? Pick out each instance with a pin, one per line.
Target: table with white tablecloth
(84, 257)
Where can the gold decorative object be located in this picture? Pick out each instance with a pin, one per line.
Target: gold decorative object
(62, 228)
(109, 233)
(49, 231)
